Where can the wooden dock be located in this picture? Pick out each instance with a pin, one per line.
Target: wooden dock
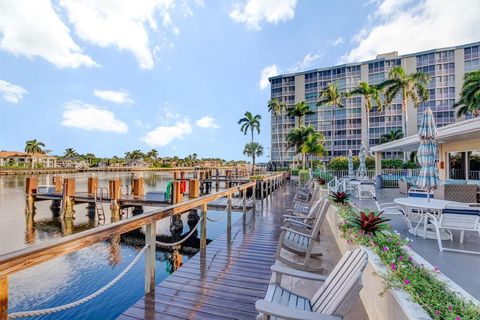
(226, 279)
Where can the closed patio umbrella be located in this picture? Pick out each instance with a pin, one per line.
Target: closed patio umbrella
(427, 154)
(362, 168)
(351, 173)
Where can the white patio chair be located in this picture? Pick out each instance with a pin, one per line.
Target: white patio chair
(299, 239)
(365, 187)
(456, 216)
(412, 218)
(335, 297)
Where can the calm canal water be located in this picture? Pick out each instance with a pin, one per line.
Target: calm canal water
(81, 273)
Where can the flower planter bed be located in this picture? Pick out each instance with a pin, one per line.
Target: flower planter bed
(391, 289)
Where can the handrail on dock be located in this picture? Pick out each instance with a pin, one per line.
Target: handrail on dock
(22, 259)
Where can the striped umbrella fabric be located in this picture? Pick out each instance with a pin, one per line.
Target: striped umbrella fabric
(351, 173)
(427, 153)
(362, 168)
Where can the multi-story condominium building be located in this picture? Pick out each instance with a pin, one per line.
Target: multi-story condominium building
(346, 128)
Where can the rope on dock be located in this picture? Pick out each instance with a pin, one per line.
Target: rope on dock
(220, 217)
(41, 312)
(171, 244)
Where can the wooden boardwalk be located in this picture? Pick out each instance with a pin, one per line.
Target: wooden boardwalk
(225, 280)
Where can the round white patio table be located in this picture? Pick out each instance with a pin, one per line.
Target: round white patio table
(424, 205)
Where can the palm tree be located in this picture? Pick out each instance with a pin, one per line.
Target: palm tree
(276, 108)
(135, 154)
(332, 97)
(391, 136)
(299, 111)
(254, 150)
(297, 138)
(70, 152)
(152, 154)
(371, 94)
(314, 146)
(250, 122)
(411, 86)
(470, 95)
(34, 146)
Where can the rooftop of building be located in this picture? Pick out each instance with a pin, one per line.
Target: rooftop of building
(379, 57)
(10, 154)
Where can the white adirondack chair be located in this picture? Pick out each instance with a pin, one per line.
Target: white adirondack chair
(456, 216)
(300, 240)
(334, 298)
(305, 205)
(305, 218)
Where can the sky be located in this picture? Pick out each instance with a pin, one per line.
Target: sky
(109, 76)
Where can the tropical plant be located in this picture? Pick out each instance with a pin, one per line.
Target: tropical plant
(299, 111)
(313, 146)
(135, 154)
(331, 96)
(276, 108)
(297, 138)
(250, 122)
(469, 101)
(340, 197)
(369, 222)
(371, 95)
(34, 146)
(254, 150)
(89, 157)
(152, 154)
(70, 153)
(411, 87)
(391, 136)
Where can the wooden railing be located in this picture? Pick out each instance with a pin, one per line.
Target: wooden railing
(22, 259)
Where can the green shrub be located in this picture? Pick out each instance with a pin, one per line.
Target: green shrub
(341, 163)
(304, 175)
(392, 164)
(294, 172)
(323, 175)
(411, 165)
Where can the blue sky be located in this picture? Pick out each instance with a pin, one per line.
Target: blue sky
(111, 76)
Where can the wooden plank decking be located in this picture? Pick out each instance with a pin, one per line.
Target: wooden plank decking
(225, 280)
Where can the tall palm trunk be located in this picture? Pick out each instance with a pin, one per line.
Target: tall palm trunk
(405, 120)
(278, 141)
(303, 161)
(253, 164)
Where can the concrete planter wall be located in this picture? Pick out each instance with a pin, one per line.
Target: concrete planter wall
(392, 304)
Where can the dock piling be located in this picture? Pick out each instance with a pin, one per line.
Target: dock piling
(67, 197)
(203, 231)
(150, 238)
(3, 298)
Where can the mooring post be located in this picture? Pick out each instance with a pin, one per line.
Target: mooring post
(31, 185)
(254, 196)
(57, 182)
(92, 185)
(114, 192)
(138, 187)
(229, 212)
(203, 231)
(150, 239)
(244, 200)
(261, 193)
(4, 298)
(67, 198)
(193, 188)
(182, 175)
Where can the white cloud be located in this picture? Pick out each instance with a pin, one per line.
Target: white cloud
(113, 96)
(32, 28)
(408, 26)
(123, 24)
(163, 135)
(306, 62)
(11, 92)
(338, 41)
(266, 73)
(253, 12)
(80, 115)
(207, 122)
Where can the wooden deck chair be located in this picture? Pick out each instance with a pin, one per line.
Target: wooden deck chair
(333, 300)
(305, 205)
(305, 218)
(305, 194)
(456, 216)
(301, 240)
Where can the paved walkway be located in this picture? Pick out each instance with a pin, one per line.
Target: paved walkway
(226, 280)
